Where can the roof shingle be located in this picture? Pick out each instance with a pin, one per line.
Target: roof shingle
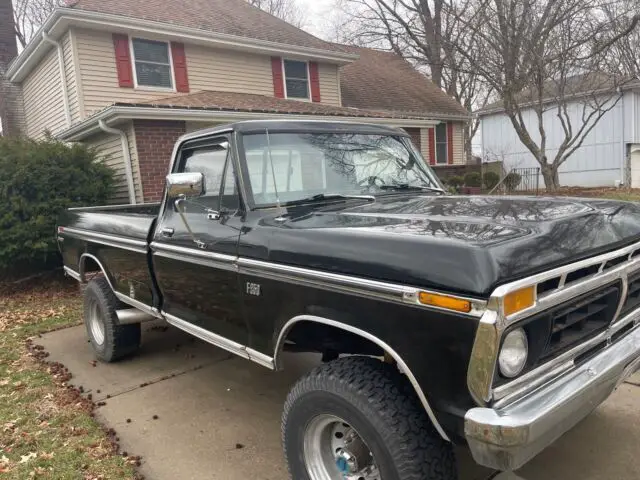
(246, 102)
(385, 81)
(232, 17)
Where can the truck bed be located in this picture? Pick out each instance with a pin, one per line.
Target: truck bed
(131, 221)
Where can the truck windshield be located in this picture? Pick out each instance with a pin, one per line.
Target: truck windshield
(297, 166)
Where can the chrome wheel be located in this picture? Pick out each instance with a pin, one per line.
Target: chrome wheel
(333, 450)
(96, 325)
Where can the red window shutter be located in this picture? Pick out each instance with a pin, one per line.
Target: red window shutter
(432, 146)
(123, 60)
(278, 80)
(314, 80)
(450, 143)
(180, 67)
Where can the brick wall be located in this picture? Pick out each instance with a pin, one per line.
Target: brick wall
(155, 140)
(11, 106)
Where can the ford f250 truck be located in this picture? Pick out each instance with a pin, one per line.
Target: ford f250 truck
(497, 322)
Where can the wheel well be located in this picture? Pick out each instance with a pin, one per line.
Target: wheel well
(310, 336)
(89, 268)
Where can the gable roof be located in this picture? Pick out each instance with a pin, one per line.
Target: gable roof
(576, 86)
(231, 17)
(385, 81)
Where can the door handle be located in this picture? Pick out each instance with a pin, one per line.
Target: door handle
(167, 232)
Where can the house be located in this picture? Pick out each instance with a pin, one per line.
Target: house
(610, 152)
(131, 77)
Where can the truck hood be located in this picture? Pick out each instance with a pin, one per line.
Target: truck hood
(466, 244)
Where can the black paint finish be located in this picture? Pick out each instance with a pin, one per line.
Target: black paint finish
(467, 245)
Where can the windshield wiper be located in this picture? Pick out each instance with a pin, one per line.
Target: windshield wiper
(407, 187)
(322, 197)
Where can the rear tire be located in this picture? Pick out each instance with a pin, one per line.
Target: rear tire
(110, 341)
(374, 406)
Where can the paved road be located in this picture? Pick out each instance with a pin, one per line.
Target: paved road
(219, 416)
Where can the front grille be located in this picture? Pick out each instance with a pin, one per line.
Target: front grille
(633, 295)
(567, 325)
(580, 320)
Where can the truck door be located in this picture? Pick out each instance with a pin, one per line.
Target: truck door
(195, 269)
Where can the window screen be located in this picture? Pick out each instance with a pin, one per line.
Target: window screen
(441, 143)
(296, 78)
(153, 66)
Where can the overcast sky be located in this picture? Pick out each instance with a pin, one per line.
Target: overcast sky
(318, 13)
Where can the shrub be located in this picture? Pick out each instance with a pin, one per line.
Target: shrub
(38, 180)
(472, 179)
(455, 181)
(491, 179)
(512, 180)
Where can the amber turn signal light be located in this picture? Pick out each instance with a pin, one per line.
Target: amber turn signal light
(519, 300)
(444, 301)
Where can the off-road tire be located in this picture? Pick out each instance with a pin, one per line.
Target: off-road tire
(380, 403)
(119, 340)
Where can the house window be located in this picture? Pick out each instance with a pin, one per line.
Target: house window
(441, 143)
(296, 76)
(152, 63)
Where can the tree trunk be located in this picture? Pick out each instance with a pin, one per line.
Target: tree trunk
(550, 176)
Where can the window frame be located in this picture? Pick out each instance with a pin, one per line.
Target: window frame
(446, 144)
(284, 79)
(136, 85)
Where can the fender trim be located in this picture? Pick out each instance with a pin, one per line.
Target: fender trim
(122, 297)
(401, 364)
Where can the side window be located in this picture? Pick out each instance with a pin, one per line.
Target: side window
(214, 162)
(210, 162)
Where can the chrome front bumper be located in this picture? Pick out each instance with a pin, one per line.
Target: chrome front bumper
(507, 438)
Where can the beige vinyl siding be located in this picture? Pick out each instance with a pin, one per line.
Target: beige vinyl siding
(110, 152)
(98, 75)
(42, 93)
(70, 76)
(135, 163)
(329, 84)
(458, 144)
(228, 71)
(208, 68)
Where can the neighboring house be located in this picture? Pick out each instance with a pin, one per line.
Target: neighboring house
(610, 153)
(131, 77)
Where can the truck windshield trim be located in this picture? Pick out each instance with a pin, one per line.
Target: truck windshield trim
(289, 167)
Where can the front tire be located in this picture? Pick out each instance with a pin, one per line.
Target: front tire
(110, 341)
(358, 418)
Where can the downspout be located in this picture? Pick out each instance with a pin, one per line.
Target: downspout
(127, 158)
(63, 76)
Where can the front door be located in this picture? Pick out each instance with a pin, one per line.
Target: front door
(195, 269)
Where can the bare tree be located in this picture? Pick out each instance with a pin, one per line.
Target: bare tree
(545, 57)
(624, 58)
(29, 15)
(429, 34)
(288, 10)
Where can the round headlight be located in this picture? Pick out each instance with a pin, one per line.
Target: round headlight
(514, 352)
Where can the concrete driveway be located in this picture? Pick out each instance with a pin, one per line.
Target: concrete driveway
(218, 416)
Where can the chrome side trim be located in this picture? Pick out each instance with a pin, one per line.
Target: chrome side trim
(193, 255)
(139, 246)
(480, 375)
(401, 364)
(261, 358)
(143, 307)
(72, 273)
(346, 284)
(207, 336)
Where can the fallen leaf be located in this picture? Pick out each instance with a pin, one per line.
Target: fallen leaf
(26, 458)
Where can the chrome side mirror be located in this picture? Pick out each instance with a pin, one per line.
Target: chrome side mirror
(185, 184)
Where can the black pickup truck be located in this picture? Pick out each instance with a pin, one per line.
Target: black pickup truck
(496, 322)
